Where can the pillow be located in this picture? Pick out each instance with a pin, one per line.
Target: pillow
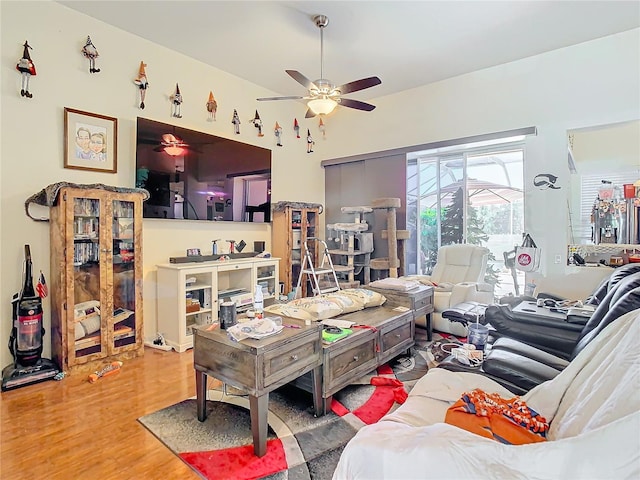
(286, 310)
(319, 308)
(368, 297)
(348, 303)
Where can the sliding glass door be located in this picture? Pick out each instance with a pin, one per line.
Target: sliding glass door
(467, 194)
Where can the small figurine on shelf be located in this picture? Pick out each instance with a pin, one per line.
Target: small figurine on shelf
(26, 68)
(310, 142)
(236, 122)
(278, 132)
(322, 128)
(258, 124)
(143, 84)
(91, 52)
(296, 127)
(176, 100)
(212, 107)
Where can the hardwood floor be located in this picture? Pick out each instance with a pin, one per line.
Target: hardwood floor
(73, 429)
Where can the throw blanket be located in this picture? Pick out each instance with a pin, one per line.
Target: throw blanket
(48, 195)
(489, 415)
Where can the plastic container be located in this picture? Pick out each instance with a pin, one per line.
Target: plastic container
(258, 301)
(478, 335)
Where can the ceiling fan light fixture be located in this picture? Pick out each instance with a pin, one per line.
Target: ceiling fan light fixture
(322, 106)
(174, 151)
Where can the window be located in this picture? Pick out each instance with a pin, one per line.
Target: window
(470, 193)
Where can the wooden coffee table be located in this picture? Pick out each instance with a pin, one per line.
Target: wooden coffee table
(259, 367)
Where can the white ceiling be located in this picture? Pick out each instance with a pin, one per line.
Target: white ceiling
(405, 43)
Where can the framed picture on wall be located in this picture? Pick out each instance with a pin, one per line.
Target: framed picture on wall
(90, 141)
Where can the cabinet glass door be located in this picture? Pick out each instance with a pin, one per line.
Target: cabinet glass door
(296, 246)
(122, 245)
(86, 337)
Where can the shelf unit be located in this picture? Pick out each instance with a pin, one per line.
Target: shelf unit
(190, 294)
(293, 224)
(96, 277)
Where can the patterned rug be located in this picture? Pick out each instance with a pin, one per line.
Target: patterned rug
(299, 445)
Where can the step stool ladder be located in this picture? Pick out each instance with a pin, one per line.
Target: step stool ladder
(325, 268)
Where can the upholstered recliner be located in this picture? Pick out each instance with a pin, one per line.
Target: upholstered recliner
(458, 276)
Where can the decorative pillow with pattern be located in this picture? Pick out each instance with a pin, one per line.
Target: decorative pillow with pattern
(287, 310)
(349, 303)
(368, 297)
(319, 308)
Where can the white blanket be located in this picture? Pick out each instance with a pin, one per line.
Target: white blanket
(593, 407)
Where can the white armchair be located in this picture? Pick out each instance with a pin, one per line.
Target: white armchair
(458, 276)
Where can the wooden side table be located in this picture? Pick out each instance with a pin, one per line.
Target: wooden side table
(419, 300)
(258, 367)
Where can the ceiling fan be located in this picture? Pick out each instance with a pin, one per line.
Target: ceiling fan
(323, 95)
(171, 145)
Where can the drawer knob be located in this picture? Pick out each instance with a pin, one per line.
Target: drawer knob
(355, 358)
(397, 335)
(294, 357)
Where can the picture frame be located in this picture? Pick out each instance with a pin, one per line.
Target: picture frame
(90, 141)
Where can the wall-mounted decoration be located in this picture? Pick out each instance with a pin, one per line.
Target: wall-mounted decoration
(90, 141)
(141, 81)
(236, 122)
(278, 133)
(322, 129)
(212, 107)
(91, 52)
(310, 142)
(258, 124)
(26, 68)
(296, 127)
(545, 180)
(176, 102)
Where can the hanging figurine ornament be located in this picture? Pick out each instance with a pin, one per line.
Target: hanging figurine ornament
(176, 100)
(91, 52)
(278, 133)
(310, 142)
(143, 84)
(322, 129)
(236, 122)
(296, 127)
(26, 68)
(212, 107)
(258, 124)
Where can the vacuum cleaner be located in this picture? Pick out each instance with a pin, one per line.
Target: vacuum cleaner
(25, 341)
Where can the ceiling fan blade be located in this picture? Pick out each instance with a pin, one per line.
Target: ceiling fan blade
(359, 85)
(301, 79)
(293, 97)
(310, 113)
(357, 104)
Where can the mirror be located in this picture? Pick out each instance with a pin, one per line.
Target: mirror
(602, 160)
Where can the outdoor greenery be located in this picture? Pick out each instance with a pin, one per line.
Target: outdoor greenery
(452, 232)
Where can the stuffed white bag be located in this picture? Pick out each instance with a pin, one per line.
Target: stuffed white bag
(528, 255)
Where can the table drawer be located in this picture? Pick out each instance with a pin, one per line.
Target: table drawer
(425, 301)
(282, 362)
(348, 365)
(396, 336)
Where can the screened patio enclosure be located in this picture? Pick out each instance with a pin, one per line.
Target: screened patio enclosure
(467, 194)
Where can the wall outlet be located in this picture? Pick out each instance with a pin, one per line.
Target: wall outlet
(558, 259)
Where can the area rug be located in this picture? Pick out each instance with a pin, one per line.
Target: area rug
(299, 446)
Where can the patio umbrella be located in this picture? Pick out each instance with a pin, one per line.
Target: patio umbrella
(481, 192)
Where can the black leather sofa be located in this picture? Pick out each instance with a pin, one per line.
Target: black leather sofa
(520, 367)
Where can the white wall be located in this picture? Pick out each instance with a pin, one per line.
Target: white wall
(32, 135)
(593, 83)
(589, 84)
